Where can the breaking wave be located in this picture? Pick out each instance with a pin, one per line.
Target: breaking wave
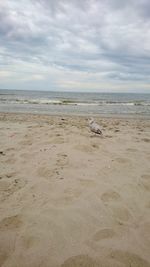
(71, 102)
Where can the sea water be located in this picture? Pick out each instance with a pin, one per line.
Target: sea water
(46, 102)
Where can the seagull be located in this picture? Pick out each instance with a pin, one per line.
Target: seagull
(94, 127)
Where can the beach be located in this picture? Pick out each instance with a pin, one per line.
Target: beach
(69, 198)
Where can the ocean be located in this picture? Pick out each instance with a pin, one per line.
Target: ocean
(46, 102)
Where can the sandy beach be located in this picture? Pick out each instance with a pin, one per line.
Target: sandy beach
(69, 198)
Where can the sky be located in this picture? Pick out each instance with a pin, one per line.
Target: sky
(75, 45)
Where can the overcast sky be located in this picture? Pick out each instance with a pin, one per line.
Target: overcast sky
(74, 45)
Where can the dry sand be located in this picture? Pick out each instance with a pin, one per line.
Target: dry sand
(69, 198)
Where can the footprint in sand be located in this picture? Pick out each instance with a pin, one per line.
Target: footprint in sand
(69, 196)
(87, 183)
(104, 234)
(10, 174)
(25, 155)
(146, 177)
(145, 181)
(132, 150)
(122, 160)
(108, 136)
(147, 140)
(10, 223)
(72, 191)
(121, 214)
(116, 130)
(104, 125)
(26, 142)
(28, 156)
(10, 149)
(84, 148)
(29, 241)
(9, 186)
(3, 257)
(80, 261)
(147, 205)
(57, 140)
(128, 259)
(146, 185)
(141, 130)
(110, 196)
(95, 146)
(46, 172)
(144, 231)
(4, 185)
(62, 160)
(11, 159)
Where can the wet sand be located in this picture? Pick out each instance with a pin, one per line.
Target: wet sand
(69, 198)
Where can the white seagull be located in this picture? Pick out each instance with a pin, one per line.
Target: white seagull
(94, 127)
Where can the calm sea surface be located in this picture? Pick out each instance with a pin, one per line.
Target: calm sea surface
(106, 104)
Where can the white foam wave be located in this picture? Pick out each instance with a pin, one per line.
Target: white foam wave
(45, 101)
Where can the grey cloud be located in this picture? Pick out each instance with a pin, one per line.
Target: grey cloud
(90, 36)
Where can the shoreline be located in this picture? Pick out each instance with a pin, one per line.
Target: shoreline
(99, 116)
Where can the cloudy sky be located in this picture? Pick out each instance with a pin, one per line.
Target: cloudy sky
(74, 45)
